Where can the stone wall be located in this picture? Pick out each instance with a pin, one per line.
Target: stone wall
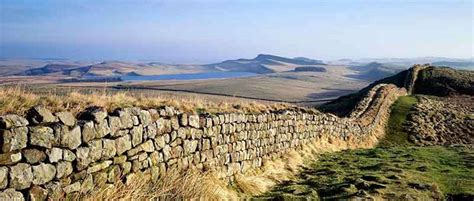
(45, 154)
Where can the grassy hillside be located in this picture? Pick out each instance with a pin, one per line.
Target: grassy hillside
(394, 170)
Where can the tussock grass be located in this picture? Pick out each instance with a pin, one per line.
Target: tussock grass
(19, 99)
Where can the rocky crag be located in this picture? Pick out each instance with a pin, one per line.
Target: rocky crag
(46, 155)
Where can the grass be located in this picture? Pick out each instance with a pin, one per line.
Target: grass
(18, 100)
(395, 133)
(389, 172)
(394, 170)
(173, 185)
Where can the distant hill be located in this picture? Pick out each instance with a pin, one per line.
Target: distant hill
(469, 65)
(375, 71)
(57, 69)
(264, 63)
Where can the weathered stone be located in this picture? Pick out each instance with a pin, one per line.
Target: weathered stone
(43, 173)
(68, 155)
(125, 119)
(109, 150)
(166, 152)
(98, 166)
(145, 117)
(94, 113)
(120, 159)
(136, 121)
(113, 174)
(11, 194)
(182, 132)
(123, 144)
(156, 158)
(126, 167)
(33, 156)
(147, 146)
(137, 135)
(63, 168)
(174, 123)
(70, 138)
(114, 124)
(10, 158)
(190, 146)
(101, 129)
(193, 121)
(95, 150)
(55, 154)
(40, 115)
(183, 119)
(82, 157)
(12, 121)
(55, 189)
(21, 176)
(3, 177)
(100, 178)
(14, 139)
(134, 151)
(160, 142)
(87, 184)
(88, 131)
(37, 193)
(75, 187)
(150, 131)
(66, 118)
(41, 136)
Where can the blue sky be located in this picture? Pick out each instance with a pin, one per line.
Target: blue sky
(208, 31)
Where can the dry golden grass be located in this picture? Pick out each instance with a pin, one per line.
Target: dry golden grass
(174, 185)
(19, 99)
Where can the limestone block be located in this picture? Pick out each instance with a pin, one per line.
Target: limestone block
(40, 115)
(123, 144)
(14, 139)
(43, 173)
(66, 118)
(10, 158)
(109, 149)
(54, 154)
(63, 168)
(11, 194)
(12, 121)
(21, 176)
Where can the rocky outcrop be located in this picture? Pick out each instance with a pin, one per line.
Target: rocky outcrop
(442, 121)
(49, 154)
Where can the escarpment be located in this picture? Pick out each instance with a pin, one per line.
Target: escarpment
(45, 154)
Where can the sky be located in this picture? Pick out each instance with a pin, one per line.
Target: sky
(179, 31)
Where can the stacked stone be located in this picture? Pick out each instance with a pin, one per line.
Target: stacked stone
(48, 155)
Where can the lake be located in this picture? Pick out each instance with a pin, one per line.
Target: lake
(187, 76)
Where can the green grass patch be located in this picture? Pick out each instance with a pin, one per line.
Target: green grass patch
(399, 172)
(395, 132)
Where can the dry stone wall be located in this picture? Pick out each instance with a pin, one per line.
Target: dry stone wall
(45, 155)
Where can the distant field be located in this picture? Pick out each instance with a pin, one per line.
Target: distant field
(297, 87)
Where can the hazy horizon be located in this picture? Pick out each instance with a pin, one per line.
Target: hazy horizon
(211, 31)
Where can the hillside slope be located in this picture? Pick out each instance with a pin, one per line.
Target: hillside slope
(431, 80)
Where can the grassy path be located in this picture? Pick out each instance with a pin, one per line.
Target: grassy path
(394, 170)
